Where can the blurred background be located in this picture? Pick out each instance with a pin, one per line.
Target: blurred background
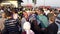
(36, 3)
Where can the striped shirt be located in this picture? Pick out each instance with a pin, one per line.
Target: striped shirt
(11, 25)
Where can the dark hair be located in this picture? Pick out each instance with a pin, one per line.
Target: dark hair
(41, 10)
(14, 10)
(54, 9)
(50, 10)
(8, 13)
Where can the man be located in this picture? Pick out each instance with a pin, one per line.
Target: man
(11, 24)
(46, 11)
(54, 28)
(43, 20)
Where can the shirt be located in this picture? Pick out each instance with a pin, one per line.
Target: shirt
(23, 20)
(11, 25)
(46, 12)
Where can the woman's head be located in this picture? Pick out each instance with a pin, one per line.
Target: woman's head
(26, 26)
(25, 14)
(40, 11)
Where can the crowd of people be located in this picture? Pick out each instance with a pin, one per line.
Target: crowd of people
(29, 20)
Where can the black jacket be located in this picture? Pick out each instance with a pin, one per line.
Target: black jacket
(52, 29)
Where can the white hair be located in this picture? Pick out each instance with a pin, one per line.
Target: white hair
(26, 26)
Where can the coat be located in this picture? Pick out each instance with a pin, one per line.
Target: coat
(52, 29)
(44, 21)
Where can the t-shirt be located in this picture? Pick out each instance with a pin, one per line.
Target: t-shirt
(11, 25)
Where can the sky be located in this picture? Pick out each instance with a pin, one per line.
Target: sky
(44, 2)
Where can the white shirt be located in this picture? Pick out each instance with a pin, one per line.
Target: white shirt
(26, 26)
(46, 12)
(29, 32)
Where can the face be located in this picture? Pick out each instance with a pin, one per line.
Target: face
(52, 19)
(37, 11)
(52, 11)
(44, 9)
(25, 14)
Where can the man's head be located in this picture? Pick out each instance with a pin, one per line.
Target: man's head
(40, 11)
(8, 14)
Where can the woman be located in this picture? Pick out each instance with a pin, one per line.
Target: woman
(26, 27)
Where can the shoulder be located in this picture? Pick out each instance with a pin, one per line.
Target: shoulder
(10, 20)
(53, 25)
(31, 32)
(23, 19)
